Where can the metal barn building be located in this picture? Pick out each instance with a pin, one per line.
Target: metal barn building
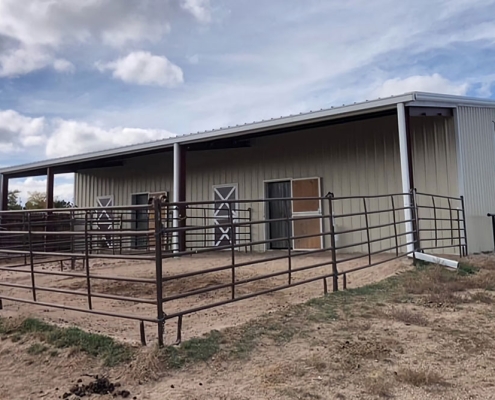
(435, 143)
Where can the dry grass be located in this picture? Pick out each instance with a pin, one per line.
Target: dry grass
(147, 366)
(419, 377)
(316, 363)
(278, 374)
(379, 385)
(482, 297)
(408, 316)
(440, 286)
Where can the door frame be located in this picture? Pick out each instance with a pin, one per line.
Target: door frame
(222, 185)
(266, 231)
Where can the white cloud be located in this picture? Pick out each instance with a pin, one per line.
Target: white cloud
(18, 131)
(144, 68)
(58, 137)
(63, 188)
(35, 31)
(62, 65)
(23, 61)
(52, 23)
(200, 9)
(73, 137)
(422, 83)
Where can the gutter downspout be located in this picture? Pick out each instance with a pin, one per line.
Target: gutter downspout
(406, 188)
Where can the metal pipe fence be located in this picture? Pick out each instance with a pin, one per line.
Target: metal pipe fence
(343, 235)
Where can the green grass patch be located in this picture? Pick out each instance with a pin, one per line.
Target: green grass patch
(37, 349)
(465, 269)
(193, 350)
(104, 347)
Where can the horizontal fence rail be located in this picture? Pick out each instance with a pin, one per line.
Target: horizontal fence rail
(315, 239)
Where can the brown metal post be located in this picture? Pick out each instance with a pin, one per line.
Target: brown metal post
(232, 247)
(464, 226)
(142, 333)
(159, 270)
(86, 259)
(31, 257)
(182, 198)
(50, 183)
(332, 241)
(289, 249)
(5, 193)
(451, 223)
(395, 227)
(435, 220)
(367, 229)
(72, 241)
(415, 225)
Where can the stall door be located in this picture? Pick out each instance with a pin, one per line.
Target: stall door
(279, 209)
(221, 215)
(309, 187)
(104, 220)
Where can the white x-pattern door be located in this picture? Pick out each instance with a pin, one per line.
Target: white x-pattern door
(104, 220)
(223, 195)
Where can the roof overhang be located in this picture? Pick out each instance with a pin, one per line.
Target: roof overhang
(112, 157)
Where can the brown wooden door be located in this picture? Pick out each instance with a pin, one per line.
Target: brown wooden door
(307, 213)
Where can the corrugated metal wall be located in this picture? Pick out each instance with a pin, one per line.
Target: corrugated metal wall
(477, 144)
(138, 175)
(352, 159)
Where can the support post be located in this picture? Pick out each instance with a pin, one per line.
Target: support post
(182, 197)
(405, 175)
(50, 183)
(176, 197)
(5, 193)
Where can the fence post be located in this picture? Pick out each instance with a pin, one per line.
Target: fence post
(289, 248)
(31, 259)
(232, 247)
(332, 242)
(464, 226)
(394, 218)
(72, 240)
(415, 224)
(86, 259)
(367, 229)
(159, 271)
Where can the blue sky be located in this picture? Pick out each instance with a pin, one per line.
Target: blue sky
(82, 76)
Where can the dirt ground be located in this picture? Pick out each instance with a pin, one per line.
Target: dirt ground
(424, 333)
(194, 324)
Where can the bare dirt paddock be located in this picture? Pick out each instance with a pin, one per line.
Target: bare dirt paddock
(194, 324)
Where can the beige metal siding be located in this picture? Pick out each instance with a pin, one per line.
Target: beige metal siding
(477, 155)
(139, 175)
(352, 159)
(435, 155)
(435, 172)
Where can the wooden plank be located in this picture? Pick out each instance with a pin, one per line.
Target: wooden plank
(306, 188)
(307, 227)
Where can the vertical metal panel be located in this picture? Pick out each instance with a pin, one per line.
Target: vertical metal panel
(355, 158)
(434, 151)
(138, 175)
(477, 155)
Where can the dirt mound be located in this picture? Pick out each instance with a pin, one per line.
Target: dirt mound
(100, 385)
